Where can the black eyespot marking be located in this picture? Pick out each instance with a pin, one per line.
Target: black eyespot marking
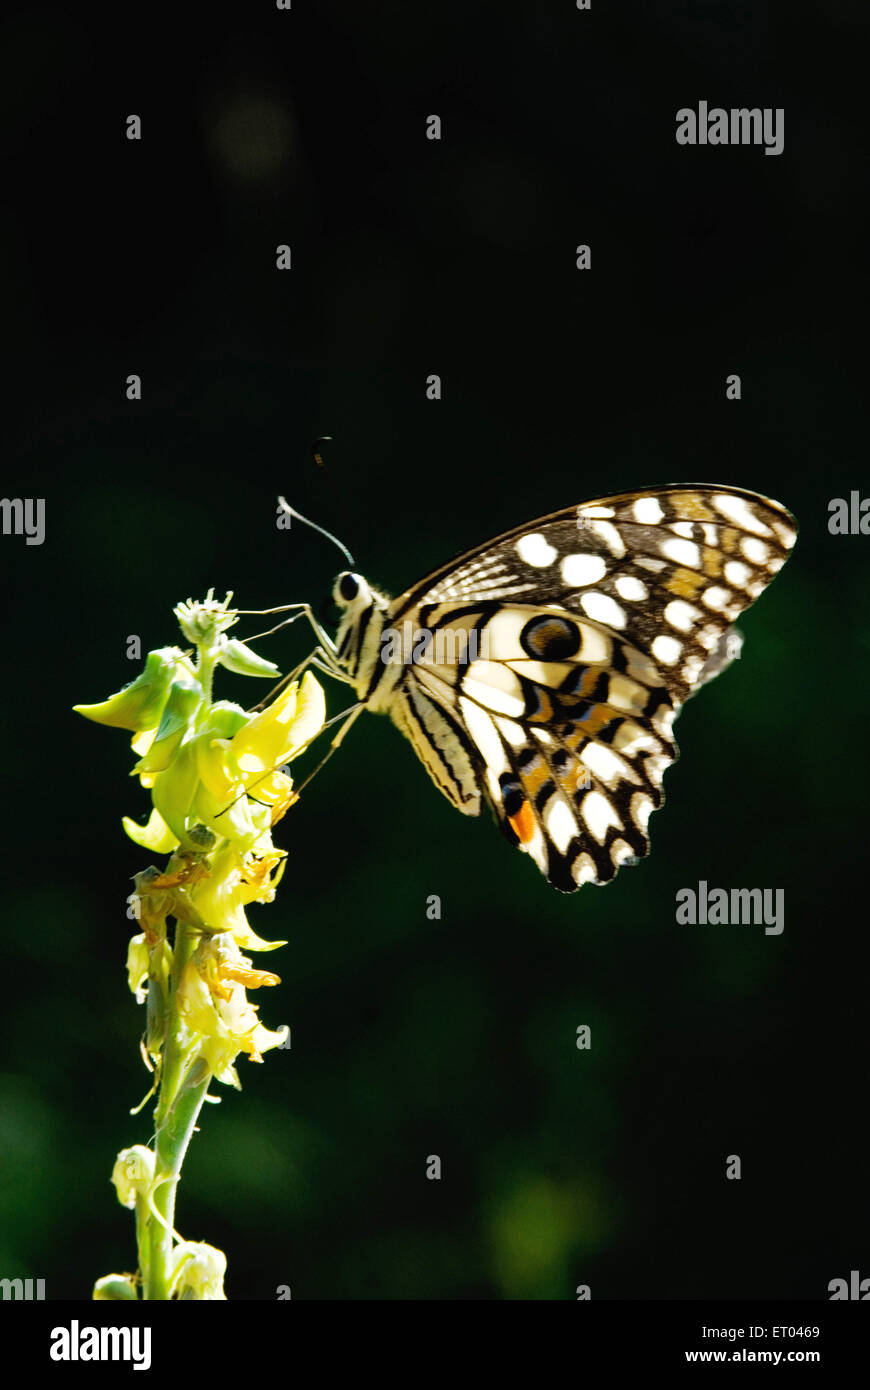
(512, 794)
(348, 587)
(549, 638)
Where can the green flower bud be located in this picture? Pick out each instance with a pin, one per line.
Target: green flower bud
(236, 656)
(140, 704)
(115, 1288)
(133, 1174)
(199, 1272)
(185, 698)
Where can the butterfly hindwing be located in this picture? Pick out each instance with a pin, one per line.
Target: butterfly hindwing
(569, 730)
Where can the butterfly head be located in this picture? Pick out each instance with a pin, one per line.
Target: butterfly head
(350, 590)
(362, 611)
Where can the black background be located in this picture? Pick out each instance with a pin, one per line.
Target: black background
(411, 257)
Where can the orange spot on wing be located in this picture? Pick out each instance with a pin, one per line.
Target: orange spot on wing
(523, 823)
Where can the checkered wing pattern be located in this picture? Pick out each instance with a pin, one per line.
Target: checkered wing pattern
(574, 640)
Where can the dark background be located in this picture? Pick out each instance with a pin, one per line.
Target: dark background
(453, 1037)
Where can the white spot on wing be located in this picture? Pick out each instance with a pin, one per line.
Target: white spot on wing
(583, 869)
(737, 573)
(737, 509)
(683, 528)
(601, 608)
(514, 733)
(708, 636)
(595, 512)
(663, 721)
(608, 768)
(482, 730)
(599, 815)
(560, 824)
(692, 667)
(716, 598)
(682, 552)
(655, 768)
(632, 739)
(536, 550)
(647, 511)
(666, 649)
(583, 569)
(681, 615)
(607, 532)
(620, 850)
(630, 588)
(754, 550)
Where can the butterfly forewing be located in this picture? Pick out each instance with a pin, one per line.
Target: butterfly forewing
(573, 641)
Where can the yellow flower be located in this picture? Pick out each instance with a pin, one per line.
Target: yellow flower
(223, 771)
(213, 1003)
(237, 878)
(283, 730)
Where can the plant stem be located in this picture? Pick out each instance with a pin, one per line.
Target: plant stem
(183, 1085)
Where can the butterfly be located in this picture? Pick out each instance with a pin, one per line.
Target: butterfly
(541, 672)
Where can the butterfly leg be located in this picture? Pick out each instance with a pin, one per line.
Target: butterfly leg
(329, 667)
(299, 610)
(284, 682)
(352, 715)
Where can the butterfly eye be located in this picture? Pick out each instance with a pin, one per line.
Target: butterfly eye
(347, 587)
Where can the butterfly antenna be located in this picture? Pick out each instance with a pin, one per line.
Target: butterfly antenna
(291, 511)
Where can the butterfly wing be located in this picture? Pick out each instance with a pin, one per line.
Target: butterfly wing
(576, 639)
